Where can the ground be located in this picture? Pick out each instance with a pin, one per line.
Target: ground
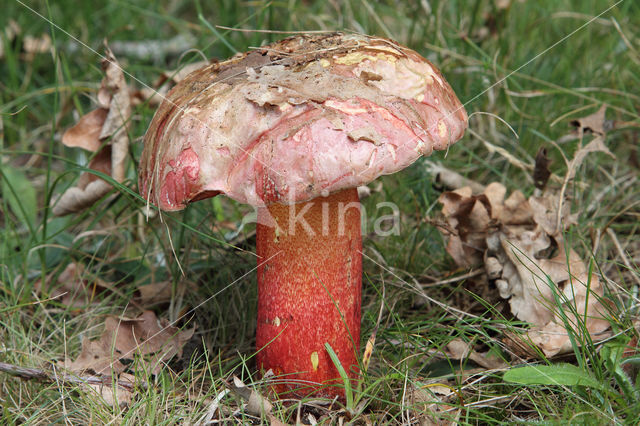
(528, 73)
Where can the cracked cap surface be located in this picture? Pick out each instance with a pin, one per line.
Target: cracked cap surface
(303, 117)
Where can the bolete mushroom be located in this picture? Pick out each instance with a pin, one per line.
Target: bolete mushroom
(293, 128)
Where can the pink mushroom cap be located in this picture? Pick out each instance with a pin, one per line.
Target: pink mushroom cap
(300, 118)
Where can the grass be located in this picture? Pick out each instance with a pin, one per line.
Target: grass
(525, 64)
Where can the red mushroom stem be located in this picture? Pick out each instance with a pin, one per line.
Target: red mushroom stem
(309, 291)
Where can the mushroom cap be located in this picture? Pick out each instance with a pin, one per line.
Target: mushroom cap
(306, 116)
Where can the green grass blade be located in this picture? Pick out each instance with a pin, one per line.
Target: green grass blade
(343, 374)
(552, 375)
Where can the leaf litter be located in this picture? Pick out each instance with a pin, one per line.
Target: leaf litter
(144, 342)
(520, 242)
(485, 229)
(73, 287)
(434, 404)
(102, 131)
(30, 45)
(80, 289)
(147, 340)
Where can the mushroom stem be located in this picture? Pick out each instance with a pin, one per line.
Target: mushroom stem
(309, 291)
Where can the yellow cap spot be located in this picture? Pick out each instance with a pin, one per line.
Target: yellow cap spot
(357, 57)
(442, 129)
(385, 49)
(344, 107)
(276, 322)
(315, 360)
(284, 107)
(324, 62)
(419, 97)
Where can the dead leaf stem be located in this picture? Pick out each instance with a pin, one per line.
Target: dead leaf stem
(53, 377)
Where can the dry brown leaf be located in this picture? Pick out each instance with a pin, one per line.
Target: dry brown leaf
(161, 292)
(459, 349)
(523, 251)
(368, 351)
(532, 297)
(155, 293)
(34, 45)
(12, 30)
(146, 338)
(31, 45)
(98, 356)
(257, 404)
(106, 128)
(457, 207)
(86, 133)
(594, 123)
(595, 145)
(116, 395)
(75, 288)
(541, 172)
(430, 404)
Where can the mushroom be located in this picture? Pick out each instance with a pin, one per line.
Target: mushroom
(293, 128)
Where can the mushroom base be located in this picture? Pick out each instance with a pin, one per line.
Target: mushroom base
(309, 292)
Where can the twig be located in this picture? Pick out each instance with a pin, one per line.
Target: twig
(451, 179)
(45, 376)
(454, 279)
(506, 154)
(513, 160)
(252, 30)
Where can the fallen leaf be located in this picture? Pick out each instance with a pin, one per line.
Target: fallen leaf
(212, 408)
(86, 133)
(593, 123)
(595, 145)
(146, 339)
(541, 172)
(459, 349)
(431, 404)
(155, 293)
(34, 45)
(115, 395)
(465, 243)
(257, 404)
(12, 30)
(368, 351)
(98, 356)
(105, 127)
(31, 45)
(74, 287)
(524, 253)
